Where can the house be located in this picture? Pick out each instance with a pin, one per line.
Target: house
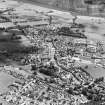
(92, 48)
(80, 41)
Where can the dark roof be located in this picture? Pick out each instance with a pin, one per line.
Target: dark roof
(68, 32)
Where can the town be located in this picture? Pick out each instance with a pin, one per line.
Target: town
(49, 59)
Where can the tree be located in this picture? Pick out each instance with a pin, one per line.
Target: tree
(90, 96)
(33, 67)
(86, 67)
(74, 19)
(89, 2)
(70, 90)
(84, 91)
(98, 80)
(50, 20)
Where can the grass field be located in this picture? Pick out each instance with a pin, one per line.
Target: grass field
(11, 45)
(5, 80)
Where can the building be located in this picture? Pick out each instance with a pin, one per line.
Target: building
(91, 48)
(80, 41)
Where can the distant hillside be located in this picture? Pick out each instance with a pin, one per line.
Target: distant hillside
(78, 6)
(64, 4)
